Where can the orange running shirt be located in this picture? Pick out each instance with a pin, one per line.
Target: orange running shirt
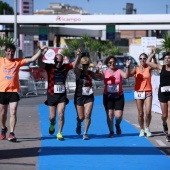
(9, 74)
(143, 80)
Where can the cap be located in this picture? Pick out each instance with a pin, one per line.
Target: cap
(59, 52)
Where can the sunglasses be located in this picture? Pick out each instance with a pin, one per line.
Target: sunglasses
(111, 62)
(85, 64)
(59, 62)
(142, 59)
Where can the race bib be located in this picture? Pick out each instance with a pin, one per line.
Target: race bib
(87, 91)
(113, 88)
(59, 88)
(139, 95)
(165, 89)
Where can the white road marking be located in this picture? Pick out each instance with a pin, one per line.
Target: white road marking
(127, 120)
(136, 125)
(160, 143)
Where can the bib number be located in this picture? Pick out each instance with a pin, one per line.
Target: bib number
(139, 95)
(87, 91)
(114, 88)
(59, 88)
(165, 89)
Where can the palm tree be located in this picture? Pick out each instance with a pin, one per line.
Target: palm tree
(66, 52)
(74, 44)
(87, 41)
(96, 48)
(166, 43)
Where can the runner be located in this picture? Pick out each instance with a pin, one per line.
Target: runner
(113, 97)
(143, 94)
(56, 91)
(164, 89)
(9, 87)
(84, 97)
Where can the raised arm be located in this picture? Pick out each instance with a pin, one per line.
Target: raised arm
(77, 62)
(133, 72)
(40, 52)
(153, 64)
(126, 74)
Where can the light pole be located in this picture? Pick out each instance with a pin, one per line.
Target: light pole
(166, 8)
(15, 27)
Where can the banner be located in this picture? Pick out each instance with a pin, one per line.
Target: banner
(155, 80)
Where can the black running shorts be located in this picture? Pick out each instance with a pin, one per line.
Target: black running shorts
(53, 100)
(163, 97)
(9, 97)
(80, 101)
(113, 104)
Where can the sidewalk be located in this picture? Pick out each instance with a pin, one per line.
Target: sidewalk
(47, 153)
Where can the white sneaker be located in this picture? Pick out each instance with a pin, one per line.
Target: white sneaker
(142, 133)
(148, 133)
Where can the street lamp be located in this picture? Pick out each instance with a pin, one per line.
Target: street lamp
(15, 27)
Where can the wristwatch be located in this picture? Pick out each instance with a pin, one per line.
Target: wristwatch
(40, 49)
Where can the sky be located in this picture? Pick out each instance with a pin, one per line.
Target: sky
(107, 6)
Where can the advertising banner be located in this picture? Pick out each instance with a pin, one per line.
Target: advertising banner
(155, 86)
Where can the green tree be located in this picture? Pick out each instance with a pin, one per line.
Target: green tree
(166, 43)
(3, 42)
(5, 9)
(87, 40)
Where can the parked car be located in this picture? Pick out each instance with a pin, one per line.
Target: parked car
(121, 62)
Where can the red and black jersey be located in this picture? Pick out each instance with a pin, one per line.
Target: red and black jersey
(56, 75)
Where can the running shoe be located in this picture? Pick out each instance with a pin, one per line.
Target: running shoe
(78, 128)
(60, 136)
(12, 137)
(148, 133)
(168, 138)
(85, 137)
(3, 133)
(111, 135)
(142, 133)
(165, 129)
(118, 130)
(52, 128)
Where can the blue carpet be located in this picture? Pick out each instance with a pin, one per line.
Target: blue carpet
(126, 151)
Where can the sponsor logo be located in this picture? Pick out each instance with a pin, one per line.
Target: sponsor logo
(68, 19)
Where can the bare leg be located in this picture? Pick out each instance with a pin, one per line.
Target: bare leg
(13, 115)
(139, 104)
(110, 116)
(148, 105)
(164, 108)
(61, 109)
(3, 116)
(88, 110)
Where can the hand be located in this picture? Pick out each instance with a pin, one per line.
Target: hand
(99, 65)
(44, 49)
(153, 50)
(128, 62)
(79, 53)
